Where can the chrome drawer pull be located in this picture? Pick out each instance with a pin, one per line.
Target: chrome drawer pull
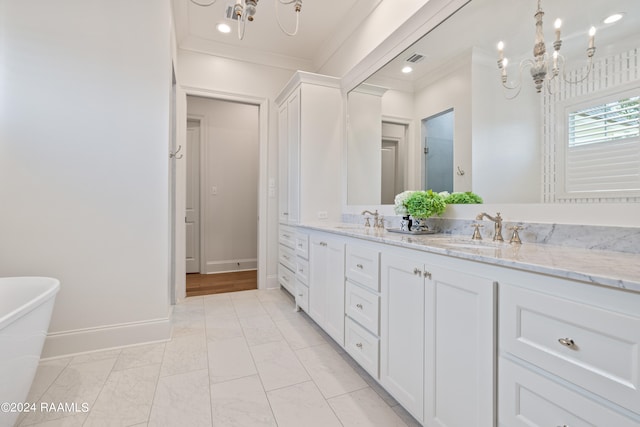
(300, 295)
(359, 306)
(359, 266)
(567, 342)
(286, 235)
(299, 245)
(359, 345)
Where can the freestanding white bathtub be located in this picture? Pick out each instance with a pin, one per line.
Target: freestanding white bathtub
(25, 311)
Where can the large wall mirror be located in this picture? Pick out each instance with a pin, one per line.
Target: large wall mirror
(449, 124)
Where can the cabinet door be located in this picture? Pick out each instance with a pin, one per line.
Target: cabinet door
(283, 164)
(317, 278)
(402, 331)
(334, 310)
(293, 146)
(459, 349)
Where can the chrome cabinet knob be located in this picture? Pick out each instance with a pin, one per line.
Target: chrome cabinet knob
(359, 345)
(360, 266)
(359, 306)
(567, 342)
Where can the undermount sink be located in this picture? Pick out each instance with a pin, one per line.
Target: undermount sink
(476, 244)
(350, 227)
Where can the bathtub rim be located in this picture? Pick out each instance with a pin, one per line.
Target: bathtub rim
(26, 308)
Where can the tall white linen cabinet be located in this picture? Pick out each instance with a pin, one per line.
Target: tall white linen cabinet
(310, 134)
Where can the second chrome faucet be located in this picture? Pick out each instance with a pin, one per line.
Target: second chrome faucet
(378, 220)
(497, 235)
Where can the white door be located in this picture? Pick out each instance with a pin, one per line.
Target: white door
(192, 208)
(334, 310)
(402, 331)
(318, 279)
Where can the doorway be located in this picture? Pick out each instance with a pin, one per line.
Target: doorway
(221, 209)
(393, 160)
(437, 134)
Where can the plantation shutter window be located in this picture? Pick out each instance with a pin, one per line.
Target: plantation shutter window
(603, 146)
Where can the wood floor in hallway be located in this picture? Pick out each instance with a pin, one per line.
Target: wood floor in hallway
(206, 284)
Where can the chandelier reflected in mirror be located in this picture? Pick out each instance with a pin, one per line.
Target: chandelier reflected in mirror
(245, 10)
(544, 68)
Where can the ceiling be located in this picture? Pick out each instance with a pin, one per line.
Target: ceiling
(324, 25)
(482, 23)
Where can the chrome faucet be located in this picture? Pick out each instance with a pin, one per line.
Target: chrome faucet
(377, 222)
(497, 235)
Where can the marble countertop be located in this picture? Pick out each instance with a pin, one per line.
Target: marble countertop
(606, 268)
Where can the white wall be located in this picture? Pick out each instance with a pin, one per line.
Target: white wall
(216, 76)
(363, 147)
(449, 91)
(507, 141)
(84, 142)
(230, 164)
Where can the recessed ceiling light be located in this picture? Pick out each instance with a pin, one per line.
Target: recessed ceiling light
(223, 28)
(407, 69)
(613, 18)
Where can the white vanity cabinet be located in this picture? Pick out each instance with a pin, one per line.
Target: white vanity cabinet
(569, 353)
(362, 306)
(310, 133)
(287, 258)
(302, 270)
(460, 342)
(326, 283)
(402, 329)
(438, 336)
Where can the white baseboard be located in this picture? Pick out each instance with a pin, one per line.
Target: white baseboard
(232, 265)
(272, 282)
(68, 343)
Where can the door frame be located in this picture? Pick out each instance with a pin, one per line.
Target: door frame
(410, 179)
(263, 113)
(202, 126)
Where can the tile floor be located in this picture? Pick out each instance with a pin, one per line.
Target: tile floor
(243, 359)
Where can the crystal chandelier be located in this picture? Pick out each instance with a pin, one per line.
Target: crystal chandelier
(544, 68)
(245, 10)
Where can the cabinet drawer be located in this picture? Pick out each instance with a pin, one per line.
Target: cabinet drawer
(363, 306)
(595, 348)
(302, 296)
(528, 399)
(363, 266)
(287, 236)
(286, 278)
(363, 347)
(302, 245)
(302, 270)
(287, 257)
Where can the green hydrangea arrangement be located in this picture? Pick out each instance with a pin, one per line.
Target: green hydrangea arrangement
(399, 202)
(463, 198)
(424, 204)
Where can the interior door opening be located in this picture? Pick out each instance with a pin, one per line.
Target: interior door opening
(221, 218)
(437, 166)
